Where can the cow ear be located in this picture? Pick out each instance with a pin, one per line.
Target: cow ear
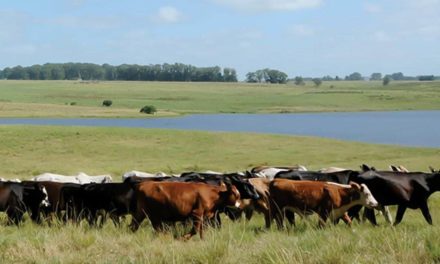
(223, 187)
(365, 167)
(355, 186)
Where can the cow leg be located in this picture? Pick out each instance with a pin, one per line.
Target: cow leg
(277, 213)
(136, 220)
(425, 212)
(290, 217)
(248, 212)
(369, 214)
(322, 220)
(346, 218)
(35, 215)
(279, 219)
(399, 215)
(14, 216)
(353, 212)
(387, 214)
(115, 219)
(197, 226)
(267, 218)
(217, 220)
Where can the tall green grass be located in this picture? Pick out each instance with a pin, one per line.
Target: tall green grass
(413, 241)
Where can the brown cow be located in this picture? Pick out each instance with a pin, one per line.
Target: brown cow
(261, 204)
(170, 202)
(328, 200)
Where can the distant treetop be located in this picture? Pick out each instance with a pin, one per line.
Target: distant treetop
(125, 72)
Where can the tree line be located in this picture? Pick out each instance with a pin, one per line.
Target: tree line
(124, 72)
(178, 72)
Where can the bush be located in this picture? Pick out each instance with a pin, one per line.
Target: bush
(148, 109)
(72, 103)
(107, 103)
(386, 80)
(299, 80)
(317, 81)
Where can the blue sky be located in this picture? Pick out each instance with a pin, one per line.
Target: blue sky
(299, 37)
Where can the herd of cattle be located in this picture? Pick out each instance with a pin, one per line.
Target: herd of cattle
(276, 192)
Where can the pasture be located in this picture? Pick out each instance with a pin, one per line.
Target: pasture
(84, 99)
(31, 150)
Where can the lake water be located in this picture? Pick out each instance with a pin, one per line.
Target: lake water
(410, 128)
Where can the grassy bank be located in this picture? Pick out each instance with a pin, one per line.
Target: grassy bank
(84, 99)
(28, 150)
(31, 150)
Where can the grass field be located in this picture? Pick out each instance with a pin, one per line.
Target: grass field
(54, 98)
(27, 150)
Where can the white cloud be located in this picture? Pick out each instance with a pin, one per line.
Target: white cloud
(76, 3)
(301, 30)
(273, 5)
(76, 22)
(381, 36)
(372, 8)
(168, 14)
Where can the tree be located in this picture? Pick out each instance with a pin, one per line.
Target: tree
(266, 75)
(299, 80)
(275, 76)
(229, 75)
(107, 103)
(398, 76)
(355, 76)
(317, 81)
(251, 77)
(426, 78)
(148, 109)
(377, 76)
(386, 80)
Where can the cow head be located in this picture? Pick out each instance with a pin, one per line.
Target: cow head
(231, 196)
(246, 189)
(366, 198)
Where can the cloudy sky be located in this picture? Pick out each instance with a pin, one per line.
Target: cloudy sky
(299, 37)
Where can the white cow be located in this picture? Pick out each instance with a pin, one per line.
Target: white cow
(142, 174)
(55, 178)
(84, 178)
(9, 180)
(81, 178)
(270, 172)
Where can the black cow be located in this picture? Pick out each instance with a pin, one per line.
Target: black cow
(404, 189)
(247, 190)
(341, 177)
(17, 199)
(116, 199)
(53, 190)
(72, 201)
